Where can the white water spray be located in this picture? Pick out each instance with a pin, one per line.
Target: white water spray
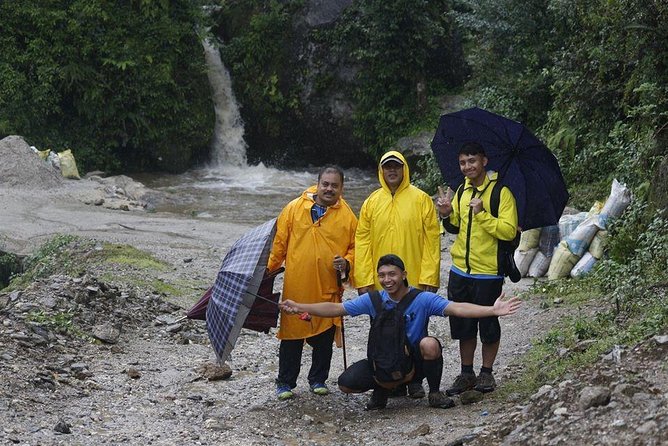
(228, 146)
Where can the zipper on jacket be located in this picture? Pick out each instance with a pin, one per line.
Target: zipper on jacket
(468, 233)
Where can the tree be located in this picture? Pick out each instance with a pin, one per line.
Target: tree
(120, 83)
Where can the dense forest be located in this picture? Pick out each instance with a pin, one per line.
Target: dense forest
(123, 84)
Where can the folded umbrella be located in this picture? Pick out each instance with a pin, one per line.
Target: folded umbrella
(524, 163)
(236, 287)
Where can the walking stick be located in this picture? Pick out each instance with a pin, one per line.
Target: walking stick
(339, 282)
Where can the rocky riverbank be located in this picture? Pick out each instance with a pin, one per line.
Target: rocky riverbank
(93, 352)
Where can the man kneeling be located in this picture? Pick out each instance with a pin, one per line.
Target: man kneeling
(423, 352)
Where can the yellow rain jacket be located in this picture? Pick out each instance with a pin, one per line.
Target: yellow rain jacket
(404, 224)
(308, 250)
(475, 249)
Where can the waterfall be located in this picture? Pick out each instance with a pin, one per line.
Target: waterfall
(228, 145)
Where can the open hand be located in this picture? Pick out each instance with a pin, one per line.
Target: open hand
(506, 307)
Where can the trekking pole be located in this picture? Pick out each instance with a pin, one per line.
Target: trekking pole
(339, 282)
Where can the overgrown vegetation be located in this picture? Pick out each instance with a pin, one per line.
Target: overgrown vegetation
(624, 301)
(405, 51)
(113, 263)
(116, 82)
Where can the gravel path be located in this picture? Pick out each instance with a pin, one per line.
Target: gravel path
(169, 402)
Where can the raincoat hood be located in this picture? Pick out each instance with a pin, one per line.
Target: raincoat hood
(405, 182)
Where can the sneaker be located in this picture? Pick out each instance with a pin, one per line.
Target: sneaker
(398, 391)
(464, 382)
(440, 400)
(415, 390)
(284, 392)
(319, 389)
(378, 400)
(485, 383)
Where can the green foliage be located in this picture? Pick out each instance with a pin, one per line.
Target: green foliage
(609, 86)
(129, 256)
(113, 81)
(427, 176)
(61, 322)
(258, 57)
(509, 46)
(9, 266)
(55, 255)
(624, 301)
(398, 46)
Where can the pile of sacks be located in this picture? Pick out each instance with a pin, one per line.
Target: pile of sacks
(61, 161)
(574, 245)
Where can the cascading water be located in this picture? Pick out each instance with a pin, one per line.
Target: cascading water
(229, 188)
(228, 146)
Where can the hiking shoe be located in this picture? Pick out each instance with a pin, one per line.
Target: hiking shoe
(319, 389)
(440, 400)
(284, 392)
(415, 390)
(485, 383)
(378, 400)
(398, 391)
(463, 382)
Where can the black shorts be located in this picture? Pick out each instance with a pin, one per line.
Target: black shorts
(475, 291)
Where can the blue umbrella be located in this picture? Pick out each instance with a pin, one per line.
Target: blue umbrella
(236, 287)
(524, 163)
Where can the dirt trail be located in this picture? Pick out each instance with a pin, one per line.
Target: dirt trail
(170, 403)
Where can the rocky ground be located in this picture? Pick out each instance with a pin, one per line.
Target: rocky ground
(86, 360)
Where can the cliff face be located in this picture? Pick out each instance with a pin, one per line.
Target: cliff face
(296, 101)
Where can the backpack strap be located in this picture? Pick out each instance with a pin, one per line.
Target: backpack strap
(403, 304)
(495, 199)
(408, 299)
(376, 300)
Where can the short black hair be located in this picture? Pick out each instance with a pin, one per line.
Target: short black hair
(331, 168)
(472, 148)
(394, 260)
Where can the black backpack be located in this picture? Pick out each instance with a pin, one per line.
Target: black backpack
(388, 348)
(506, 248)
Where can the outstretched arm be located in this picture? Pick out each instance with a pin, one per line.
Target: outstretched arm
(502, 307)
(322, 309)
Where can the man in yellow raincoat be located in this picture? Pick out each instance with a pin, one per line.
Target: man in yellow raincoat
(315, 237)
(475, 275)
(401, 219)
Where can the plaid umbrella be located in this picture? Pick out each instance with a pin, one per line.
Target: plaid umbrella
(263, 314)
(236, 287)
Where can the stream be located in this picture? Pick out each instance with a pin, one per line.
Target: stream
(246, 194)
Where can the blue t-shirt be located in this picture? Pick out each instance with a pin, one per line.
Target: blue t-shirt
(424, 305)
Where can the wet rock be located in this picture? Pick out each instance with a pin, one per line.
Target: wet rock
(661, 340)
(174, 328)
(470, 397)
(214, 372)
(463, 440)
(420, 431)
(647, 428)
(106, 333)
(594, 396)
(215, 425)
(626, 389)
(62, 427)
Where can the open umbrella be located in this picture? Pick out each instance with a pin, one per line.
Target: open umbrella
(236, 287)
(264, 312)
(524, 163)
